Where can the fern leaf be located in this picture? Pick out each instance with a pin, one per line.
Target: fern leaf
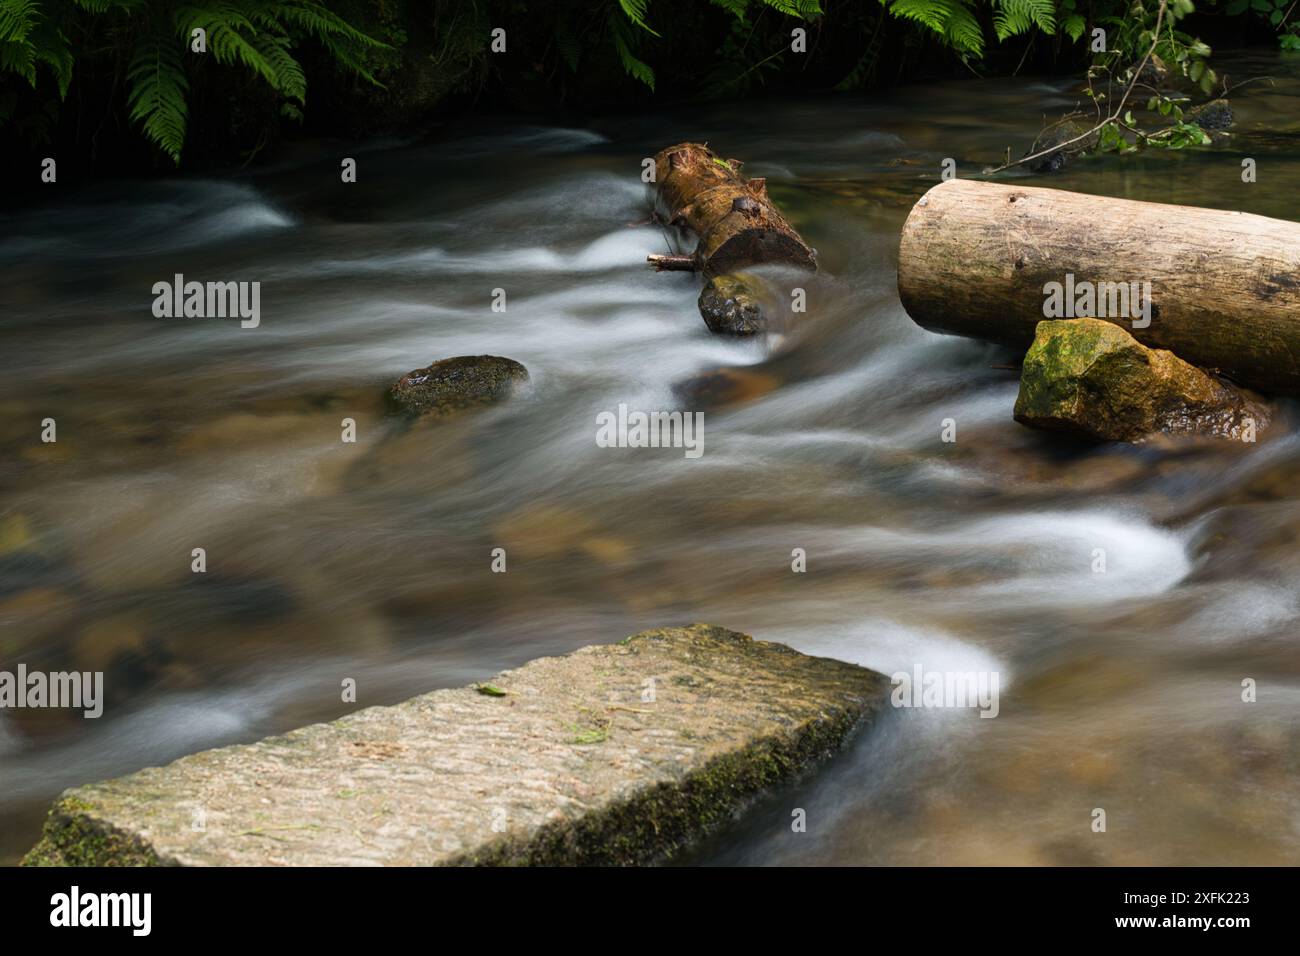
(623, 40)
(803, 9)
(737, 8)
(17, 18)
(635, 10)
(18, 58)
(323, 24)
(1016, 17)
(50, 46)
(156, 88)
(963, 32)
(103, 6)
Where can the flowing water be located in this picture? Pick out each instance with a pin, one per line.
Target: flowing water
(1120, 690)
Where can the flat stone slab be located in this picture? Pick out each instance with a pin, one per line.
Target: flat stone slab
(614, 754)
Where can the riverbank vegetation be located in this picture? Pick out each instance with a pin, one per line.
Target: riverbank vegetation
(129, 85)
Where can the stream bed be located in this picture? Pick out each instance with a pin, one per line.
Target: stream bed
(1120, 690)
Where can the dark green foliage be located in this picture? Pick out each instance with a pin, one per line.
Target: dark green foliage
(73, 70)
(152, 37)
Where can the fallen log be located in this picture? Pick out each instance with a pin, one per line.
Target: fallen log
(977, 259)
(732, 221)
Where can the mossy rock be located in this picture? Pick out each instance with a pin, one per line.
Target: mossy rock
(455, 384)
(734, 304)
(1092, 377)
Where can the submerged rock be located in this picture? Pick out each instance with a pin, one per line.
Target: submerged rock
(1213, 116)
(719, 387)
(454, 384)
(733, 304)
(1091, 376)
(1058, 137)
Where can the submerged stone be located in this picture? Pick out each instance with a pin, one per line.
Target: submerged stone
(720, 387)
(1213, 116)
(1059, 138)
(1092, 377)
(614, 754)
(455, 384)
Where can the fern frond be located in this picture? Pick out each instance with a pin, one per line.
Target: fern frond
(635, 10)
(323, 24)
(803, 9)
(103, 6)
(737, 8)
(963, 32)
(156, 88)
(17, 18)
(951, 19)
(18, 58)
(50, 46)
(290, 79)
(623, 40)
(1016, 17)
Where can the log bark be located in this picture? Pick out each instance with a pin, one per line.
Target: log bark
(975, 258)
(730, 219)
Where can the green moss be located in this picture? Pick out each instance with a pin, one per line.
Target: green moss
(72, 837)
(658, 822)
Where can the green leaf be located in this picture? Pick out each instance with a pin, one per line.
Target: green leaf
(156, 88)
(635, 10)
(17, 18)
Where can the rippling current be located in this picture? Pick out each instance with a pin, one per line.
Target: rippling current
(1119, 690)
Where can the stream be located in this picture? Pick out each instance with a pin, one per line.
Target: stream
(326, 560)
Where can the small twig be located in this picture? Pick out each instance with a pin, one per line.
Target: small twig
(672, 263)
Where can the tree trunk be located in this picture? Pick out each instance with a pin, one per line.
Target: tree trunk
(733, 222)
(976, 258)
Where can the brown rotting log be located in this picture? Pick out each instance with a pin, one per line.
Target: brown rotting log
(734, 223)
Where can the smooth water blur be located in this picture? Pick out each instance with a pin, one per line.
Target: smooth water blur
(1120, 690)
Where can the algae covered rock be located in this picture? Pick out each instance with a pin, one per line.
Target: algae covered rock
(1092, 377)
(454, 384)
(733, 304)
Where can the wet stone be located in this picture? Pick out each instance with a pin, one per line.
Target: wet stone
(1092, 377)
(733, 304)
(455, 384)
(614, 754)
